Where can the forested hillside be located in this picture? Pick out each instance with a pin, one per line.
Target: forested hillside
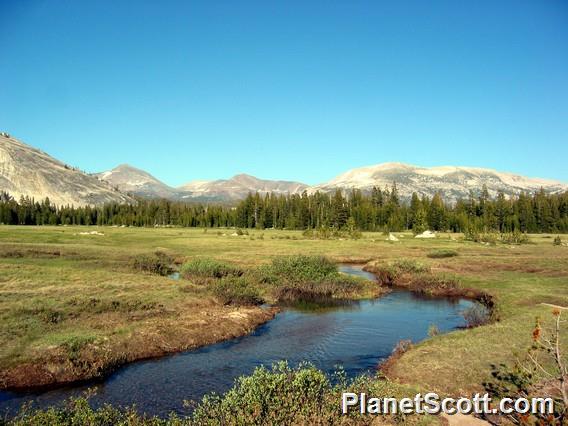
(382, 210)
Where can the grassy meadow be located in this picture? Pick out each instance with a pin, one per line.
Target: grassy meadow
(71, 300)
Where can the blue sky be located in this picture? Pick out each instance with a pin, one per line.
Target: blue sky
(299, 90)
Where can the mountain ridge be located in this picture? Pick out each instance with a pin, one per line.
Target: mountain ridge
(28, 171)
(452, 181)
(25, 170)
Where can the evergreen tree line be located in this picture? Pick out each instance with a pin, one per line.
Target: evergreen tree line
(382, 209)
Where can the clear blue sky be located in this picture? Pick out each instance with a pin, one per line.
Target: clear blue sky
(298, 90)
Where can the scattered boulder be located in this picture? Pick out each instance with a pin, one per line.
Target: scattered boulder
(90, 233)
(391, 237)
(426, 234)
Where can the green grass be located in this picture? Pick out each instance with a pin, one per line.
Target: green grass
(237, 291)
(278, 395)
(208, 268)
(55, 282)
(442, 253)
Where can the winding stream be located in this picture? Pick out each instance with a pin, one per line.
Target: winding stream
(357, 335)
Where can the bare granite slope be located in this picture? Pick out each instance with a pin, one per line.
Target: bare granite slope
(27, 171)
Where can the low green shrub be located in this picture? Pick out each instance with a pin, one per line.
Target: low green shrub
(234, 290)
(270, 396)
(155, 263)
(208, 268)
(302, 268)
(279, 395)
(318, 291)
(308, 278)
(515, 237)
(557, 241)
(429, 283)
(77, 411)
(409, 266)
(442, 253)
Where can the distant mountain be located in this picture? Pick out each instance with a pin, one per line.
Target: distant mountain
(137, 182)
(140, 183)
(27, 171)
(237, 188)
(451, 182)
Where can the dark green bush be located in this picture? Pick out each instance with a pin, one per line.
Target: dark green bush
(233, 290)
(157, 263)
(428, 283)
(336, 287)
(308, 278)
(409, 266)
(302, 268)
(208, 268)
(442, 253)
(515, 237)
(281, 395)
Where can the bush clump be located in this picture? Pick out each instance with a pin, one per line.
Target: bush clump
(303, 268)
(308, 278)
(208, 268)
(389, 273)
(476, 315)
(237, 290)
(318, 291)
(557, 241)
(155, 263)
(410, 266)
(515, 237)
(442, 253)
(432, 284)
(279, 395)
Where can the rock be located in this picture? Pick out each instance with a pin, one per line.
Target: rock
(26, 171)
(426, 234)
(391, 237)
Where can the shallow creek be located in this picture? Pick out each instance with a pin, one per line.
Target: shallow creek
(355, 335)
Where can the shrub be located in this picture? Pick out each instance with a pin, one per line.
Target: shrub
(77, 411)
(557, 241)
(433, 330)
(328, 233)
(402, 346)
(307, 278)
(432, 284)
(318, 291)
(303, 268)
(476, 315)
(410, 266)
(515, 237)
(472, 234)
(442, 253)
(234, 290)
(281, 395)
(156, 263)
(208, 268)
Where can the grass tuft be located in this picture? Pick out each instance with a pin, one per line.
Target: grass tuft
(442, 253)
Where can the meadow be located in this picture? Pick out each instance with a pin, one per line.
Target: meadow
(73, 305)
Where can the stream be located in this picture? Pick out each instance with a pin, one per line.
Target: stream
(356, 335)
